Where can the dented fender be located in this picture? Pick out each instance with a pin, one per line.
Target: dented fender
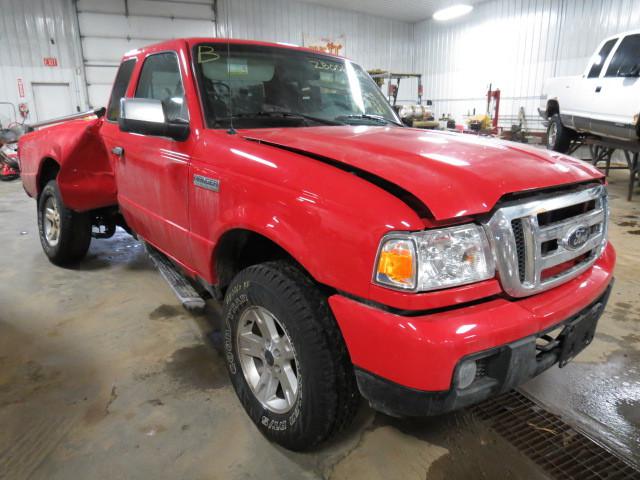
(86, 177)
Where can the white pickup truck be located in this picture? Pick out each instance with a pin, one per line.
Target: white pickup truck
(603, 101)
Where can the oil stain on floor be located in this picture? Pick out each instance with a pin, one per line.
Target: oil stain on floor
(197, 366)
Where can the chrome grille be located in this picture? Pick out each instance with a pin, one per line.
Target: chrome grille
(545, 242)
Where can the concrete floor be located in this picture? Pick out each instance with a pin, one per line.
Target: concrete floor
(103, 374)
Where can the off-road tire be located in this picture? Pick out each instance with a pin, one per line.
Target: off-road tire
(559, 137)
(74, 229)
(328, 395)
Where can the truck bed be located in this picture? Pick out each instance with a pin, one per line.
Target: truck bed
(86, 177)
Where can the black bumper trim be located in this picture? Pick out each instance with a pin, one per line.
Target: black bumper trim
(506, 367)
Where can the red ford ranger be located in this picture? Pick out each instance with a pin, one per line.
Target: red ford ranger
(422, 270)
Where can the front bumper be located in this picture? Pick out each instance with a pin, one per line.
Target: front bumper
(406, 364)
(502, 368)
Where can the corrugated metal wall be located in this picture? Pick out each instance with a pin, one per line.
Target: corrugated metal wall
(108, 29)
(515, 45)
(373, 42)
(88, 37)
(31, 30)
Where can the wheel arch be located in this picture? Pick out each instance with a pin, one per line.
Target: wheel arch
(241, 247)
(49, 170)
(553, 107)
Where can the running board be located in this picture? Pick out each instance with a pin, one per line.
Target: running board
(183, 289)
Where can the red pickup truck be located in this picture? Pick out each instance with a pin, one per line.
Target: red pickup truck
(422, 270)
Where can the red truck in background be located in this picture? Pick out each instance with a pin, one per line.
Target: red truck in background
(422, 270)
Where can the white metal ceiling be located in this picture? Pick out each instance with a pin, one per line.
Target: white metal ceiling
(406, 10)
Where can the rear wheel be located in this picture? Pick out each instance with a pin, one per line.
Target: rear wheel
(558, 136)
(286, 357)
(65, 235)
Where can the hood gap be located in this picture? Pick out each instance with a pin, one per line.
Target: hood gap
(408, 198)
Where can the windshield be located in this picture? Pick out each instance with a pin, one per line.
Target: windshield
(270, 86)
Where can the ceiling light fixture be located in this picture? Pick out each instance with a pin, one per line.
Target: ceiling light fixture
(452, 12)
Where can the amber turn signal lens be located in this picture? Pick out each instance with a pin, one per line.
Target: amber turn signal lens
(396, 264)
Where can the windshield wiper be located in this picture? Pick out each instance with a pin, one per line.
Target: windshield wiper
(368, 116)
(279, 113)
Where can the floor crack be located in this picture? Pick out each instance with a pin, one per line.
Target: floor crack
(112, 398)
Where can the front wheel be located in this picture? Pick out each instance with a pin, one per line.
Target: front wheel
(558, 136)
(65, 235)
(286, 357)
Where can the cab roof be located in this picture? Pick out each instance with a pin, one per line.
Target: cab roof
(189, 43)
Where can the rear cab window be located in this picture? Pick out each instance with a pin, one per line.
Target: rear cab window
(120, 88)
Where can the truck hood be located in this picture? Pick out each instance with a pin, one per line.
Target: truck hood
(454, 175)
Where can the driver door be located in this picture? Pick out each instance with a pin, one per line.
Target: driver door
(153, 171)
(618, 100)
(580, 100)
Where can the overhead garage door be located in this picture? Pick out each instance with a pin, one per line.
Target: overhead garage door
(109, 28)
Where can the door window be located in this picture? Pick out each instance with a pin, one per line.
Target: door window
(120, 88)
(160, 79)
(626, 57)
(600, 58)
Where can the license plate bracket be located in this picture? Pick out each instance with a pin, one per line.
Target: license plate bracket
(577, 334)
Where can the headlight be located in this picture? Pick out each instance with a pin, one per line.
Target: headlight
(434, 259)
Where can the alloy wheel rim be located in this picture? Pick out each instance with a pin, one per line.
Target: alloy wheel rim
(267, 359)
(51, 222)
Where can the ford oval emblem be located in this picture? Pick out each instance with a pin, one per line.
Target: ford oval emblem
(577, 237)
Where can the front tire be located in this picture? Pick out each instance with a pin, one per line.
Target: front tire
(286, 357)
(65, 234)
(559, 137)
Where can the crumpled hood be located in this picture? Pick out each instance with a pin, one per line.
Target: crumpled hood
(454, 175)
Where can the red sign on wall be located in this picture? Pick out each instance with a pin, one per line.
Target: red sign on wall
(20, 87)
(50, 61)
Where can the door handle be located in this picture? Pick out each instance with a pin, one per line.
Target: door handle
(598, 89)
(119, 151)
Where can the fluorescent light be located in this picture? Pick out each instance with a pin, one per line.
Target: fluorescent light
(454, 11)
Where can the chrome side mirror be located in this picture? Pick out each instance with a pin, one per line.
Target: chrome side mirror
(147, 116)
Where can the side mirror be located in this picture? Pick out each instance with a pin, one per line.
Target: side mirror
(147, 117)
(630, 71)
